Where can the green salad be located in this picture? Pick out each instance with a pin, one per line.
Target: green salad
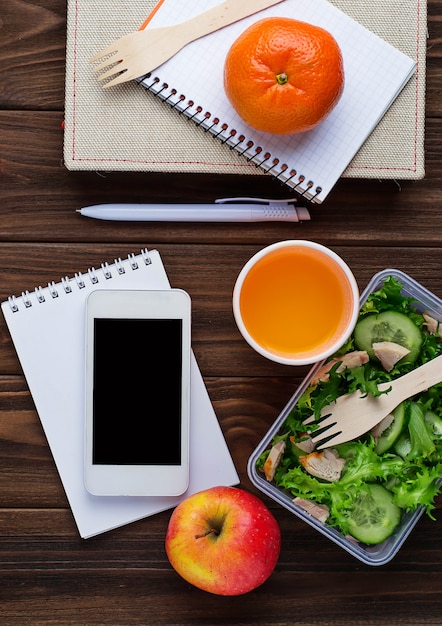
(364, 487)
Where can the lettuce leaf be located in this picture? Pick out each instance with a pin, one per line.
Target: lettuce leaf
(414, 478)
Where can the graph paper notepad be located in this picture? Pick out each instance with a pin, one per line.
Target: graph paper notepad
(102, 128)
(311, 162)
(47, 326)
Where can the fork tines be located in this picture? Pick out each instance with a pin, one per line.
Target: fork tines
(108, 59)
(319, 435)
(112, 71)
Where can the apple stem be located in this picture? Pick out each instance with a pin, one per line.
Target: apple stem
(211, 531)
(214, 527)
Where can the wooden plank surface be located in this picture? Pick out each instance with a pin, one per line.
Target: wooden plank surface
(49, 575)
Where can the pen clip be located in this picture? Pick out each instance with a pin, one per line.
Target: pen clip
(255, 201)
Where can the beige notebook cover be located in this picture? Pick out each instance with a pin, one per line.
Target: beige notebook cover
(128, 129)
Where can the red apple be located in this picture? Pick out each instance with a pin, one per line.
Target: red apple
(223, 540)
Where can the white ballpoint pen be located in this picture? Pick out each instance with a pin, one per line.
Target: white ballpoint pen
(222, 210)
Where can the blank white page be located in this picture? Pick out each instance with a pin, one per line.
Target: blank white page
(47, 326)
(310, 162)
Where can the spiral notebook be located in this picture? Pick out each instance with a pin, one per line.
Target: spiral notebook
(47, 326)
(310, 163)
(127, 129)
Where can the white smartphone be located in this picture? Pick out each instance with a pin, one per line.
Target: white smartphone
(137, 392)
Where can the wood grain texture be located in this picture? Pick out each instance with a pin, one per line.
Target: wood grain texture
(48, 575)
(386, 211)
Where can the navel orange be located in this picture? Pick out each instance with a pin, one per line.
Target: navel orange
(284, 76)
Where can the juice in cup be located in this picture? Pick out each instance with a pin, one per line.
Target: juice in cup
(296, 302)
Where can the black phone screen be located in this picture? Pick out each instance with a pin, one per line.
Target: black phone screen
(137, 391)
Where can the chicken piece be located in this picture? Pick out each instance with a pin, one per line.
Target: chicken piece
(327, 464)
(273, 460)
(351, 359)
(306, 444)
(434, 326)
(389, 353)
(318, 511)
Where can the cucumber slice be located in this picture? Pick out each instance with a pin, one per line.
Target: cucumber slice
(389, 326)
(435, 422)
(373, 516)
(390, 434)
(403, 446)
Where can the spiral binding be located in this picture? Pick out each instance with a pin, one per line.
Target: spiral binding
(229, 136)
(67, 285)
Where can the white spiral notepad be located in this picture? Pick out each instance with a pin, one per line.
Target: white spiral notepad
(310, 163)
(47, 326)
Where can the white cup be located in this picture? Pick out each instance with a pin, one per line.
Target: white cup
(296, 302)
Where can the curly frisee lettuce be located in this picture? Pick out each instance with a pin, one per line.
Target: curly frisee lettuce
(372, 489)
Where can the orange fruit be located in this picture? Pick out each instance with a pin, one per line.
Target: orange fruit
(284, 76)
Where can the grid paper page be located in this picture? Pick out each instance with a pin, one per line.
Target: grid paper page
(309, 162)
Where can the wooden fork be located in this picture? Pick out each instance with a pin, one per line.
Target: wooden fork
(142, 51)
(355, 414)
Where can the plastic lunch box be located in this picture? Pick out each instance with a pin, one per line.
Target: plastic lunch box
(371, 555)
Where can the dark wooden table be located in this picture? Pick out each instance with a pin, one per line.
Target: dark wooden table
(48, 575)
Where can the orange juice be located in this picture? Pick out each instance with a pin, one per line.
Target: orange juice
(297, 301)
